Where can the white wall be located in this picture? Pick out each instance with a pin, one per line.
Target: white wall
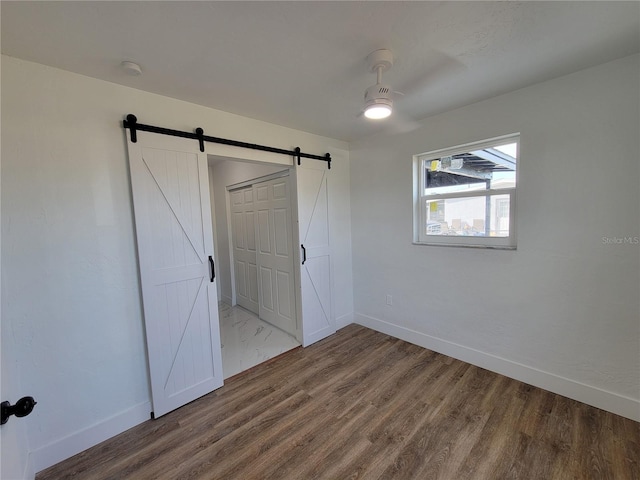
(570, 316)
(70, 288)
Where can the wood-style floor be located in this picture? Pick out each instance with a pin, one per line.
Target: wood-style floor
(363, 405)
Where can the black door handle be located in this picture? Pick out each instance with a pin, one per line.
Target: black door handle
(304, 254)
(212, 269)
(22, 408)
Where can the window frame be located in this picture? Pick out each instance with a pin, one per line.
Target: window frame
(420, 213)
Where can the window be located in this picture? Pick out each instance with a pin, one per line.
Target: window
(466, 195)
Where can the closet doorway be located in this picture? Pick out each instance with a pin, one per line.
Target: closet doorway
(306, 302)
(247, 339)
(261, 239)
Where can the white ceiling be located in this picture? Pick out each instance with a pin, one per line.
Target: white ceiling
(302, 64)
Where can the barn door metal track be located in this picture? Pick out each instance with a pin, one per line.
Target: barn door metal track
(131, 122)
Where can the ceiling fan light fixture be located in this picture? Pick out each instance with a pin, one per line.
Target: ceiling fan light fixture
(377, 110)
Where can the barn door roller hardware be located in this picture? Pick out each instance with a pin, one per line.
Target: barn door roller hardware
(131, 122)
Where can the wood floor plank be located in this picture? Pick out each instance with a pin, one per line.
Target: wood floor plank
(384, 446)
(346, 444)
(247, 451)
(364, 405)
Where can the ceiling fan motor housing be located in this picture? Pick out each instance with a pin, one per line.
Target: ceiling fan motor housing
(378, 94)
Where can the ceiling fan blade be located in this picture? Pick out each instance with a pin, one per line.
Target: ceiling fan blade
(402, 124)
(434, 68)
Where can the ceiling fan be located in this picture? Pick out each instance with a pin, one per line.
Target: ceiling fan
(379, 98)
(378, 101)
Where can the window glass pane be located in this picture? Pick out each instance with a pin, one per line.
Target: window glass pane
(488, 168)
(478, 216)
(466, 194)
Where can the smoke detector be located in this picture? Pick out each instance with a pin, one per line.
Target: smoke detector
(131, 68)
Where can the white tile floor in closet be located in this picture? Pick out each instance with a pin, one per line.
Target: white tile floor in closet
(248, 341)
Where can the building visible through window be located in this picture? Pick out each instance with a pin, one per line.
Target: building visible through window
(468, 191)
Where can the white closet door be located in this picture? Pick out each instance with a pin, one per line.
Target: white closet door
(318, 321)
(243, 236)
(275, 254)
(175, 253)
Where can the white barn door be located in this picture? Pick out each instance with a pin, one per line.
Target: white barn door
(175, 253)
(318, 321)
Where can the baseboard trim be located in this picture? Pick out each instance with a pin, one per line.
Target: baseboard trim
(596, 397)
(344, 320)
(55, 452)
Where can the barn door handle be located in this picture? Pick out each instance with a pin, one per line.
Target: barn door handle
(304, 254)
(212, 269)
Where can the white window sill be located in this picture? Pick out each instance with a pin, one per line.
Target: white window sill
(468, 245)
